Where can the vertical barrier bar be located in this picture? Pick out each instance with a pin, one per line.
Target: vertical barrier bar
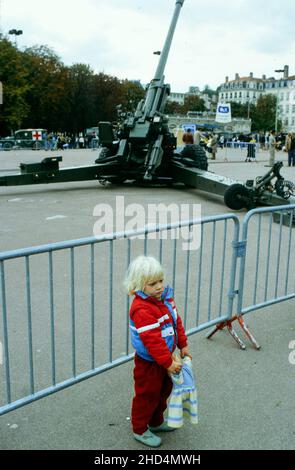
(161, 248)
(289, 251)
(257, 260)
(199, 277)
(279, 254)
(223, 266)
(128, 299)
(73, 308)
(111, 301)
(29, 312)
(211, 271)
(92, 321)
(186, 282)
(52, 325)
(238, 251)
(268, 257)
(5, 333)
(174, 262)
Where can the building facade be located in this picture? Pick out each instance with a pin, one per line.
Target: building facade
(249, 89)
(193, 91)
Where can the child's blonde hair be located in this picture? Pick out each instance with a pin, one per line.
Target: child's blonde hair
(142, 270)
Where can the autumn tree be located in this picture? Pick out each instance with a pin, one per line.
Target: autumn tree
(16, 86)
(47, 78)
(173, 107)
(193, 103)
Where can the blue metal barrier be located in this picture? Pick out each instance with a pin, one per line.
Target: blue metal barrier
(65, 316)
(62, 305)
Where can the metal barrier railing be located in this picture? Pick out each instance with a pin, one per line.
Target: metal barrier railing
(265, 256)
(65, 316)
(63, 323)
(273, 248)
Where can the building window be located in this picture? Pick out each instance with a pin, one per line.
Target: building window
(293, 108)
(286, 122)
(287, 108)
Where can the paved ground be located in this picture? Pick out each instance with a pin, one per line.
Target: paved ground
(246, 397)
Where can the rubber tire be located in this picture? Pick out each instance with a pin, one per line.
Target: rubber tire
(234, 197)
(197, 154)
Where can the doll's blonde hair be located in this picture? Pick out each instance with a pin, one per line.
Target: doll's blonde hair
(141, 270)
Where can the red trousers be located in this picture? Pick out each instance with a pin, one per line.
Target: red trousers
(152, 389)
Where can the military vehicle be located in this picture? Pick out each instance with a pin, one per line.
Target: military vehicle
(144, 151)
(25, 139)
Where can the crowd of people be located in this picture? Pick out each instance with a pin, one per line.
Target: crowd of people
(63, 141)
(270, 141)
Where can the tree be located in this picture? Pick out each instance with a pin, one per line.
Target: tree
(15, 88)
(46, 76)
(132, 93)
(264, 114)
(108, 95)
(239, 110)
(193, 103)
(80, 98)
(173, 107)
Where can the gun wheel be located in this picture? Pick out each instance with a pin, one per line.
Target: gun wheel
(197, 154)
(238, 197)
(284, 188)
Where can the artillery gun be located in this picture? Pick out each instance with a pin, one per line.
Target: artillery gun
(145, 151)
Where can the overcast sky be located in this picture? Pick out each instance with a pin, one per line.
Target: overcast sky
(213, 38)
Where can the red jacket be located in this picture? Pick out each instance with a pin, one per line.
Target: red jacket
(147, 311)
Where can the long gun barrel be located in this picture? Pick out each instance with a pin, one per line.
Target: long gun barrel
(157, 83)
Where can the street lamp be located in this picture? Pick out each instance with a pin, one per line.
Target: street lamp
(277, 104)
(15, 32)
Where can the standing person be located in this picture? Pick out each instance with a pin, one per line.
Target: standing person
(156, 330)
(188, 137)
(272, 147)
(290, 147)
(197, 137)
(292, 150)
(214, 146)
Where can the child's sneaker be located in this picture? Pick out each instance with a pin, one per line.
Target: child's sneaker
(148, 439)
(162, 428)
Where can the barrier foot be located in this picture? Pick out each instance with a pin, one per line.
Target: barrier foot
(231, 331)
(247, 332)
(234, 335)
(218, 327)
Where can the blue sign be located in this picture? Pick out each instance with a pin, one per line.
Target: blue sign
(191, 127)
(223, 109)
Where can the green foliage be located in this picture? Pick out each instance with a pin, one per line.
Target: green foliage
(264, 114)
(173, 107)
(40, 91)
(15, 88)
(193, 103)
